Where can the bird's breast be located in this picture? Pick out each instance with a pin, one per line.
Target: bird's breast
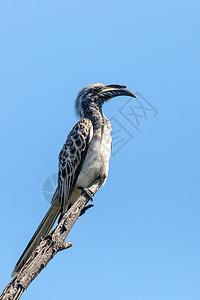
(96, 162)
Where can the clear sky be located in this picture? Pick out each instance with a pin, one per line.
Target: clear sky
(142, 238)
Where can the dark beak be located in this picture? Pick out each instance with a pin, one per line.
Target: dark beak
(114, 90)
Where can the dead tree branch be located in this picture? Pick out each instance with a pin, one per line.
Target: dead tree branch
(48, 247)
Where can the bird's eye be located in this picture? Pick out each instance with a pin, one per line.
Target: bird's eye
(96, 90)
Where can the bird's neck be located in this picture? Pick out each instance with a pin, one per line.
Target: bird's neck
(96, 116)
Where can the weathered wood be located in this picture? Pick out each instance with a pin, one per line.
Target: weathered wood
(48, 247)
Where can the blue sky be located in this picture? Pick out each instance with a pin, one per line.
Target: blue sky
(142, 238)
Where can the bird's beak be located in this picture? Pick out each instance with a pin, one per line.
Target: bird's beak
(114, 90)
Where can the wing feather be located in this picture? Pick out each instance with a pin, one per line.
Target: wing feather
(71, 159)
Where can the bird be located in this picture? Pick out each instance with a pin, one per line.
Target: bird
(84, 157)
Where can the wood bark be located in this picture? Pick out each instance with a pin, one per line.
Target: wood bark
(48, 247)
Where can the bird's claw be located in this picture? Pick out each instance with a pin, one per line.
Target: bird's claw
(85, 209)
(88, 193)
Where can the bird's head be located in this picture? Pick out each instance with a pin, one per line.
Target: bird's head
(94, 95)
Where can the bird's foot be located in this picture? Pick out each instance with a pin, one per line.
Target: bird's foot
(89, 194)
(85, 209)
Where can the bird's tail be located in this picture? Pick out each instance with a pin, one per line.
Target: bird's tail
(42, 231)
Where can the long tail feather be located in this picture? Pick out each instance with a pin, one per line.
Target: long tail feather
(42, 231)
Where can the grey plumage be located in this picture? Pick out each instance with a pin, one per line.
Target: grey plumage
(71, 160)
(84, 157)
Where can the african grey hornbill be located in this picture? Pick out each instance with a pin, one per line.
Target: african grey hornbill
(84, 157)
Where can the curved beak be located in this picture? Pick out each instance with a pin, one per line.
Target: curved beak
(114, 90)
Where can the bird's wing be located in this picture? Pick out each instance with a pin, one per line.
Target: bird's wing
(71, 159)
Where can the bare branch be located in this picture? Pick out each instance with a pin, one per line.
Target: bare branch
(48, 247)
